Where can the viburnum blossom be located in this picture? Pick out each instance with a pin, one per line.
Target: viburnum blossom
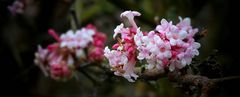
(152, 48)
(122, 58)
(169, 46)
(80, 39)
(60, 59)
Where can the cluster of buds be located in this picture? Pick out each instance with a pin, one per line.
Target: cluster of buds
(168, 47)
(60, 59)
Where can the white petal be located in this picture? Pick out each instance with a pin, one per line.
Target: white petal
(128, 78)
(117, 30)
(134, 76)
(140, 56)
(187, 21)
(106, 50)
(182, 34)
(180, 18)
(183, 63)
(159, 27)
(145, 39)
(188, 60)
(164, 22)
(196, 45)
(173, 41)
(151, 34)
(91, 32)
(63, 44)
(135, 13)
(196, 52)
(124, 13)
(70, 33)
(168, 54)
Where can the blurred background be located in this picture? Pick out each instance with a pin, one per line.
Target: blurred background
(24, 25)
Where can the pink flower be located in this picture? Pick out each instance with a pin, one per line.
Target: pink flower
(99, 39)
(96, 54)
(53, 33)
(158, 47)
(164, 27)
(184, 24)
(184, 53)
(120, 64)
(80, 39)
(84, 37)
(118, 29)
(168, 47)
(191, 51)
(176, 37)
(41, 59)
(60, 59)
(60, 65)
(129, 71)
(141, 41)
(116, 58)
(59, 71)
(68, 40)
(153, 49)
(54, 62)
(123, 59)
(130, 16)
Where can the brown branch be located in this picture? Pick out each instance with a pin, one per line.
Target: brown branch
(206, 85)
(224, 79)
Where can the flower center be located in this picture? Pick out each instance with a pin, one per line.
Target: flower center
(162, 49)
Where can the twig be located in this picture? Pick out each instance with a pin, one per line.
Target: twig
(202, 82)
(207, 86)
(74, 16)
(88, 76)
(224, 79)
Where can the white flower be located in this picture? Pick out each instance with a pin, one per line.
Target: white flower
(184, 24)
(118, 30)
(84, 37)
(68, 40)
(120, 64)
(115, 57)
(130, 16)
(164, 27)
(176, 37)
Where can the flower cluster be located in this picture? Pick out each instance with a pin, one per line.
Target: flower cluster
(122, 59)
(60, 59)
(167, 47)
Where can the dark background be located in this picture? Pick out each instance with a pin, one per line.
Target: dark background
(20, 34)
